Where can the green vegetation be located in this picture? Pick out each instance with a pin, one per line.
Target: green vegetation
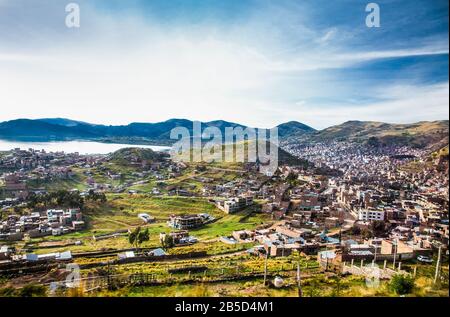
(30, 290)
(402, 284)
(132, 156)
(120, 212)
(138, 236)
(419, 134)
(75, 182)
(62, 198)
(167, 242)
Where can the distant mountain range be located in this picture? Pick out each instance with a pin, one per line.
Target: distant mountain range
(59, 129)
(421, 134)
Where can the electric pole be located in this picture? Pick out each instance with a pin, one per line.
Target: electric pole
(438, 263)
(265, 269)
(375, 255)
(299, 282)
(395, 252)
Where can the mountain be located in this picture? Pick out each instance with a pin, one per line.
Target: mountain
(35, 130)
(63, 122)
(433, 134)
(293, 129)
(430, 134)
(53, 129)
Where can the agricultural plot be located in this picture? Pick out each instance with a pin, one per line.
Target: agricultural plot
(121, 213)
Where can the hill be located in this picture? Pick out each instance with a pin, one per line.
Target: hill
(229, 156)
(133, 156)
(432, 134)
(293, 129)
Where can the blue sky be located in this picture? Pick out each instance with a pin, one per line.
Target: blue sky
(257, 62)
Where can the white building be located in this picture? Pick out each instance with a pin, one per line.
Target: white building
(370, 215)
(235, 204)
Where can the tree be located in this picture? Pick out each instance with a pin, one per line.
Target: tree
(167, 242)
(337, 286)
(61, 198)
(402, 284)
(378, 227)
(94, 196)
(355, 230)
(132, 237)
(143, 236)
(138, 236)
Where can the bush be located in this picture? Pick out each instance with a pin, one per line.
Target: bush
(402, 284)
(33, 290)
(7, 292)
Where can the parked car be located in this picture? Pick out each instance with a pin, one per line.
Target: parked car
(424, 259)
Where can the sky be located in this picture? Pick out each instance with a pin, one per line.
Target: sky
(255, 62)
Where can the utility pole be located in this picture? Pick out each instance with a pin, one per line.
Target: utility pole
(265, 269)
(375, 255)
(299, 282)
(438, 264)
(395, 252)
(108, 278)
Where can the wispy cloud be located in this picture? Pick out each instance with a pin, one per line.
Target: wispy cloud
(276, 62)
(403, 104)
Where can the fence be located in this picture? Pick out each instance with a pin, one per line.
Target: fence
(181, 275)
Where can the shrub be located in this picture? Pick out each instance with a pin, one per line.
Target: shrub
(33, 290)
(402, 284)
(7, 292)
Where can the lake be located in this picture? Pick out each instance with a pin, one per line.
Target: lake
(81, 147)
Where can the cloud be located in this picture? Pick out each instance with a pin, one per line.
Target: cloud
(375, 55)
(270, 66)
(403, 104)
(327, 36)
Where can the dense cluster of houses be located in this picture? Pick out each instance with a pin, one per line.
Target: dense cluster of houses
(51, 222)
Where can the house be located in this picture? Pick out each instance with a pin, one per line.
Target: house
(235, 204)
(228, 240)
(332, 222)
(328, 258)
(277, 249)
(78, 225)
(157, 252)
(184, 222)
(126, 255)
(400, 249)
(30, 257)
(58, 256)
(293, 232)
(243, 235)
(146, 218)
(179, 237)
(370, 215)
(5, 253)
(64, 256)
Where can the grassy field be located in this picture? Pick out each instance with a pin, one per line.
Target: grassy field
(316, 285)
(121, 210)
(75, 182)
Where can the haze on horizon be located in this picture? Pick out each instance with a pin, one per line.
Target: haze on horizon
(254, 62)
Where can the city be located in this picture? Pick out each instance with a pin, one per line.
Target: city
(342, 211)
(206, 156)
